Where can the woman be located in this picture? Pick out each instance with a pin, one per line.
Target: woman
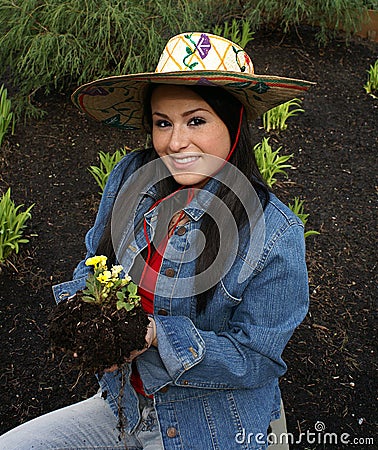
(220, 261)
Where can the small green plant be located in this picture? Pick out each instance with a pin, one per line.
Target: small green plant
(270, 162)
(107, 162)
(371, 86)
(298, 209)
(239, 31)
(6, 114)
(12, 224)
(104, 285)
(276, 118)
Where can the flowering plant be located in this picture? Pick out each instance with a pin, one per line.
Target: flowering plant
(105, 286)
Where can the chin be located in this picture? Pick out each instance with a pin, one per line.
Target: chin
(190, 180)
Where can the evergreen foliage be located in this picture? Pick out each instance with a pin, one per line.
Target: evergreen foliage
(328, 15)
(53, 44)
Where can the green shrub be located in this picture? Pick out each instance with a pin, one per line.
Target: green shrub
(6, 114)
(275, 118)
(328, 15)
(53, 44)
(269, 162)
(107, 162)
(12, 224)
(371, 86)
(298, 209)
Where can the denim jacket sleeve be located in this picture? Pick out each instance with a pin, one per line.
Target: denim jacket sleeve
(248, 353)
(69, 288)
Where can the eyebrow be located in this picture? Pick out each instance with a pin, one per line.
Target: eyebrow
(185, 114)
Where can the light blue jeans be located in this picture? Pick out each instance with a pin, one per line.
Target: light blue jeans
(89, 424)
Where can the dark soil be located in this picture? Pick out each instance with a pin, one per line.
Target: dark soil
(96, 337)
(331, 359)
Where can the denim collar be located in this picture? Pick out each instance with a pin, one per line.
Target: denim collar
(196, 208)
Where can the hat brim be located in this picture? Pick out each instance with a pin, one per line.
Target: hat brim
(118, 101)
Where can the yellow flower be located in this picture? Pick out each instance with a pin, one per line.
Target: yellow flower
(116, 270)
(125, 280)
(96, 261)
(105, 276)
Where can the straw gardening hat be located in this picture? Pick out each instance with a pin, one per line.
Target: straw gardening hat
(193, 58)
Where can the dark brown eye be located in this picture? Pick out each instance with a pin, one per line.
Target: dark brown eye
(162, 123)
(196, 121)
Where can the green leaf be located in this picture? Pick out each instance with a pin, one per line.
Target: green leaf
(132, 288)
(310, 233)
(120, 304)
(88, 299)
(120, 295)
(129, 306)
(125, 305)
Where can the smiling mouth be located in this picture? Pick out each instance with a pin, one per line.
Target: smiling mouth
(183, 162)
(184, 159)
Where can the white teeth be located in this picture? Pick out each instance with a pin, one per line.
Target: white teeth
(185, 160)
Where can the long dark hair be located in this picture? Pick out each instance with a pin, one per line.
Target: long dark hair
(228, 109)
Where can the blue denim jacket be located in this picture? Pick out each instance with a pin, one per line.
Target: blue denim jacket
(214, 376)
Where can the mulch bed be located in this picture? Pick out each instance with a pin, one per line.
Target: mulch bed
(331, 359)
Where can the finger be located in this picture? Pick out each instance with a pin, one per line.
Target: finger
(151, 333)
(134, 354)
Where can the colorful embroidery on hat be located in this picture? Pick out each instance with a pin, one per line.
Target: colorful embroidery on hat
(260, 87)
(94, 91)
(239, 84)
(115, 121)
(237, 51)
(203, 47)
(205, 82)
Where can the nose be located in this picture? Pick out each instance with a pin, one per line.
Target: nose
(179, 139)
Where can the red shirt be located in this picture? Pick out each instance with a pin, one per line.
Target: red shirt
(147, 288)
(146, 291)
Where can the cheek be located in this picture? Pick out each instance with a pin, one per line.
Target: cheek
(158, 143)
(220, 143)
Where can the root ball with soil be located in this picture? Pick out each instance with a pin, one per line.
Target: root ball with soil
(102, 324)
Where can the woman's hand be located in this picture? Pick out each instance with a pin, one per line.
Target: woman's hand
(151, 339)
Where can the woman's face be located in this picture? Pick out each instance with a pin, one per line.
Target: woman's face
(187, 134)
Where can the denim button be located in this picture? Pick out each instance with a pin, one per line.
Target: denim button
(181, 231)
(162, 312)
(171, 432)
(170, 272)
